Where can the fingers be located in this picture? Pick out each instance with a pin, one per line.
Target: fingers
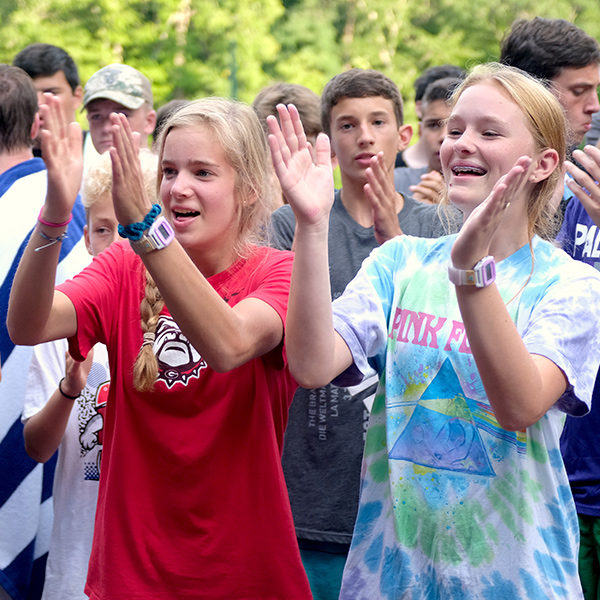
(123, 138)
(585, 182)
(581, 183)
(430, 186)
(424, 194)
(378, 181)
(508, 185)
(322, 151)
(379, 191)
(589, 159)
(59, 138)
(585, 185)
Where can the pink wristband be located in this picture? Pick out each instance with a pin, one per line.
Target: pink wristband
(48, 224)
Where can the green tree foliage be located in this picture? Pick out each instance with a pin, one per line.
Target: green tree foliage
(190, 48)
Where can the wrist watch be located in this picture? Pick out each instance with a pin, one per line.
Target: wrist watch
(481, 275)
(158, 236)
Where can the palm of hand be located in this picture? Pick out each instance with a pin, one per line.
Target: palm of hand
(63, 154)
(306, 176)
(308, 187)
(473, 241)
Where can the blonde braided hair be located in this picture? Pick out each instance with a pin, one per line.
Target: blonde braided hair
(145, 368)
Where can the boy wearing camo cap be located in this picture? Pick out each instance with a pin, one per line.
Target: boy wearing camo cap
(122, 89)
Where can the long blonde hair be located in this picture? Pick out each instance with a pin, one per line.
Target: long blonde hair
(239, 132)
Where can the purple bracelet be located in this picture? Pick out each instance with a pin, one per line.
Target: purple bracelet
(48, 224)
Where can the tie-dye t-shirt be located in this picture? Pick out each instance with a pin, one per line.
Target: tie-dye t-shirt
(453, 506)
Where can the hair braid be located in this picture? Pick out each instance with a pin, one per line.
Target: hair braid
(145, 369)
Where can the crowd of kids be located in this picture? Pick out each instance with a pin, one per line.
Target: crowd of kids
(358, 395)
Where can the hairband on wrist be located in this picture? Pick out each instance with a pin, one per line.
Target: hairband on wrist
(49, 223)
(66, 395)
(134, 231)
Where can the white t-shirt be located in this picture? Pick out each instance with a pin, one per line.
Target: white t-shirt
(75, 490)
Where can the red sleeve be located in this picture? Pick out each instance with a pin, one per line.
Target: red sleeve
(272, 276)
(97, 293)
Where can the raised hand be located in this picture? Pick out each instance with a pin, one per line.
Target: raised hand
(473, 241)
(383, 198)
(62, 149)
(306, 177)
(129, 194)
(429, 189)
(585, 185)
(76, 373)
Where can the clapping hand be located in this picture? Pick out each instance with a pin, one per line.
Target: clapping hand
(305, 174)
(63, 154)
(129, 193)
(473, 241)
(585, 184)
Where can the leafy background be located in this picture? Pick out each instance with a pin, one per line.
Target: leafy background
(192, 48)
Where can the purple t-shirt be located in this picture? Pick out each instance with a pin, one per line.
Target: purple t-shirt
(579, 444)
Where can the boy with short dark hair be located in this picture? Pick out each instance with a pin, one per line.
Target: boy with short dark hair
(361, 111)
(415, 156)
(564, 55)
(54, 72)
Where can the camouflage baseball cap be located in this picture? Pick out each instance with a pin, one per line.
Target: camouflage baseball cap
(119, 83)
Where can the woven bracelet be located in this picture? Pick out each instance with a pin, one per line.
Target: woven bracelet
(51, 240)
(134, 231)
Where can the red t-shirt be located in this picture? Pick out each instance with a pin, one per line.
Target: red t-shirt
(192, 500)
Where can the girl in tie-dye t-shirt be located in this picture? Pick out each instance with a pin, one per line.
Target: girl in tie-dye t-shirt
(477, 338)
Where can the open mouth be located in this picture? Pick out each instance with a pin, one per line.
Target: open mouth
(181, 215)
(468, 170)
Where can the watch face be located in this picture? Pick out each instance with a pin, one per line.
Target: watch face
(163, 231)
(486, 271)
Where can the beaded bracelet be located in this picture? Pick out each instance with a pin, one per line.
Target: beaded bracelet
(66, 395)
(134, 231)
(50, 224)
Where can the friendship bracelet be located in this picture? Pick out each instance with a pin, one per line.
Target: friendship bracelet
(134, 231)
(49, 224)
(66, 395)
(51, 240)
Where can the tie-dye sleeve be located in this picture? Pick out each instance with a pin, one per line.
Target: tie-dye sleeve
(564, 326)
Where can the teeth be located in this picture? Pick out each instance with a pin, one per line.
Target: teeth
(187, 213)
(469, 170)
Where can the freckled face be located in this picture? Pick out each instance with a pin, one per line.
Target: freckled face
(487, 133)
